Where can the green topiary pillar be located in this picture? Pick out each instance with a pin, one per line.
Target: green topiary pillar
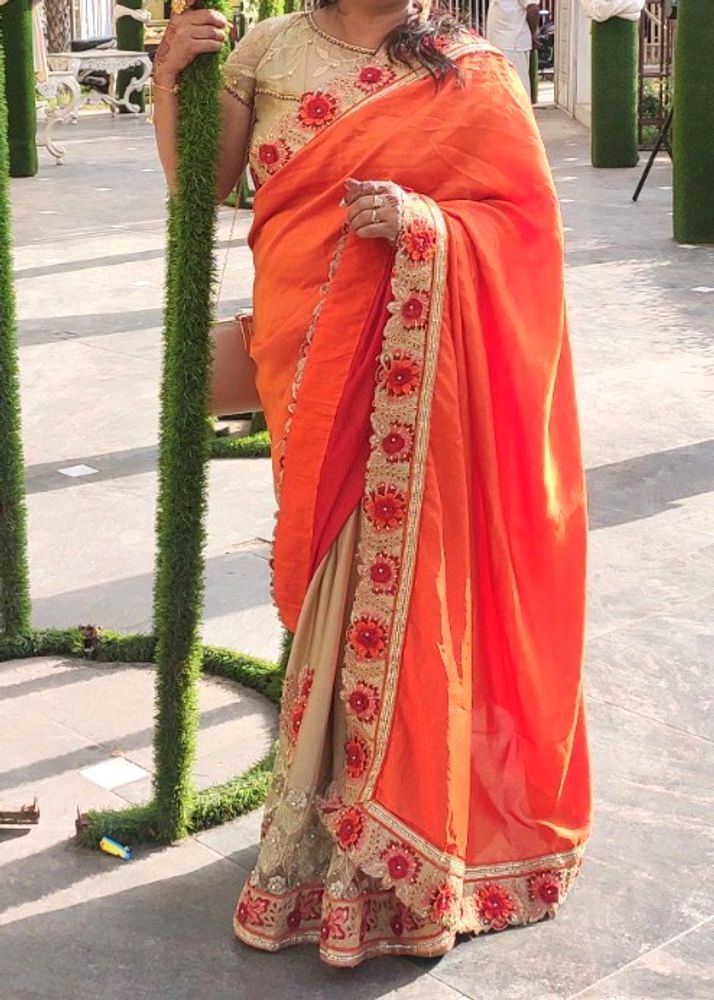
(694, 123)
(184, 446)
(614, 92)
(14, 576)
(130, 36)
(16, 33)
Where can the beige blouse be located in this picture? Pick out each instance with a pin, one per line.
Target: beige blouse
(297, 79)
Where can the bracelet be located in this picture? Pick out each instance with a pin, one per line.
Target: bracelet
(169, 90)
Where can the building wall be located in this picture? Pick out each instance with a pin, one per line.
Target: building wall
(572, 60)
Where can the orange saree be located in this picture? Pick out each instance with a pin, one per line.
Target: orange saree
(432, 772)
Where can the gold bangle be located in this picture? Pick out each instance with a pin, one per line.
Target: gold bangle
(169, 90)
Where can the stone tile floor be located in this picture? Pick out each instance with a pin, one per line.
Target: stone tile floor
(640, 925)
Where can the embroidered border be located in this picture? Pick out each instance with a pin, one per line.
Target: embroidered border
(350, 929)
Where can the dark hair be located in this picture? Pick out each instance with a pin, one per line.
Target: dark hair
(418, 39)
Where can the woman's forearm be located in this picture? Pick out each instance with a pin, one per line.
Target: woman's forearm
(165, 119)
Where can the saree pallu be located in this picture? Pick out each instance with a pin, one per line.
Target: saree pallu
(432, 772)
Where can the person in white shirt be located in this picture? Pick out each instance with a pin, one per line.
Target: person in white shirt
(511, 26)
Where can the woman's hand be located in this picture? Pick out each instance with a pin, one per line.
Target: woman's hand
(187, 35)
(374, 209)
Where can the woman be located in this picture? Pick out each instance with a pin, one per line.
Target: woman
(431, 774)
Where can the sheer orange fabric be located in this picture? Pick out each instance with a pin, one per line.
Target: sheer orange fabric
(476, 766)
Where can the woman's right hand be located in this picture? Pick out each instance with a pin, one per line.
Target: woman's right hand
(187, 35)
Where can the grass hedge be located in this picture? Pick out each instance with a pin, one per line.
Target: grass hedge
(693, 134)
(614, 93)
(14, 575)
(19, 87)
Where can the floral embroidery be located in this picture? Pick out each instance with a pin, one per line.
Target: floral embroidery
(400, 374)
(385, 506)
(419, 242)
(402, 863)
(384, 573)
(333, 924)
(496, 906)
(415, 310)
(356, 757)
(363, 701)
(349, 827)
(273, 155)
(397, 444)
(252, 909)
(373, 78)
(317, 109)
(440, 901)
(368, 637)
(545, 886)
(295, 698)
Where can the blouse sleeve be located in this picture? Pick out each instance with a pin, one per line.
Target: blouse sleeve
(241, 66)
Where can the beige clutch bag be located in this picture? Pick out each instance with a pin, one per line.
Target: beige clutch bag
(233, 370)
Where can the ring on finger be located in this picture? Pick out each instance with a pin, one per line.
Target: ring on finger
(378, 201)
(374, 215)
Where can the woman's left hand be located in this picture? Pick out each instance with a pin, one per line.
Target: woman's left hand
(374, 209)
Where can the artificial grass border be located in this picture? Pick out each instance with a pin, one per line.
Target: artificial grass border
(251, 446)
(140, 824)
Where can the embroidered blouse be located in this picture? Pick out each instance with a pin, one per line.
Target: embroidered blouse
(297, 79)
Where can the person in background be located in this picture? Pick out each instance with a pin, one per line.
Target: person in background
(511, 26)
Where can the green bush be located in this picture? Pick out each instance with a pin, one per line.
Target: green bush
(14, 576)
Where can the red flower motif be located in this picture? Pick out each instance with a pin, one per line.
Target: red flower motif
(402, 863)
(252, 909)
(356, 757)
(545, 886)
(415, 310)
(419, 242)
(383, 573)
(296, 717)
(317, 109)
(496, 905)
(440, 901)
(372, 78)
(400, 374)
(397, 444)
(273, 155)
(363, 701)
(367, 636)
(310, 903)
(385, 506)
(333, 924)
(306, 682)
(294, 919)
(396, 924)
(349, 828)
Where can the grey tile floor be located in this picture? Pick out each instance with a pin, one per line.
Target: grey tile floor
(640, 925)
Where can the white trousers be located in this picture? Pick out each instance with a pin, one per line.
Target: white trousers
(521, 62)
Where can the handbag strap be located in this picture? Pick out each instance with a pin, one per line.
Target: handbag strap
(221, 280)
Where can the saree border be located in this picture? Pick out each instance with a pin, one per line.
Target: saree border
(351, 927)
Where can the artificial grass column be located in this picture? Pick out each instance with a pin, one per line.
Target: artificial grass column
(16, 36)
(614, 92)
(694, 123)
(14, 585)
(130, 37)
(184, 444)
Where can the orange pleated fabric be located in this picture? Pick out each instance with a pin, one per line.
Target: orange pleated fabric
(484, 756)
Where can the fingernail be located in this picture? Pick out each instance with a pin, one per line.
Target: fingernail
(343, 203)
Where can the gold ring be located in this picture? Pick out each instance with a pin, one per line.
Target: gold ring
(378, 201)
(374, 215)
(179, 6)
